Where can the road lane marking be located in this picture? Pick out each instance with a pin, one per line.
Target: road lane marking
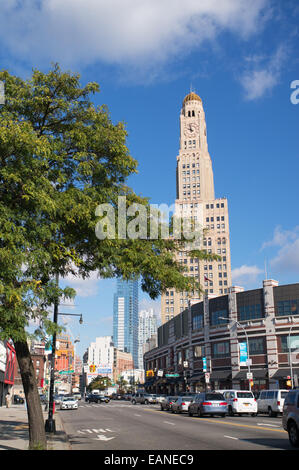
(102, 438)
(136, 415)
(266, 424)
(230, 437)
(168, 422)
(229, 423)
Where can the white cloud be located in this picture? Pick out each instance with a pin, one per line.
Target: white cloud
(263, 74)
(126, 32)
(281, 237)
(84, 287)
(246, 276)
(286, 260)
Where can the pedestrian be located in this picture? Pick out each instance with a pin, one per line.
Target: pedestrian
(8, 400)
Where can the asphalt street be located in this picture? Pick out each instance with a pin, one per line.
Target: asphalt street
(123, 426)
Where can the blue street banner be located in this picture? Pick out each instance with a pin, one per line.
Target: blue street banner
(204, 364)
(243, 354)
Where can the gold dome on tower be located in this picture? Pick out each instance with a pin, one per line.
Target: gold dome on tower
(191, 97)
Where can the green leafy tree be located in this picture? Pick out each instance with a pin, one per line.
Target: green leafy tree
(60, 157)
(99, 383)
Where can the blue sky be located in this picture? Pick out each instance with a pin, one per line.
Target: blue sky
(240, 57)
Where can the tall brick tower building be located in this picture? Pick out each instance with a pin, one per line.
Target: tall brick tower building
(196, 199)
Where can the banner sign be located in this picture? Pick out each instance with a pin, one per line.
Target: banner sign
(243, 354)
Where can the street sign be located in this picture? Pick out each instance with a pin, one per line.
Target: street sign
(204, 364)
(172, 375)
(207, 377)
(249, 375)
(62, 372)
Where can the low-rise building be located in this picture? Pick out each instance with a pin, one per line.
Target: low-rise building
(206, 345)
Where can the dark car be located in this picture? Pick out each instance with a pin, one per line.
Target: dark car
(208, 403)
(17, 399)
(166, 404)
(93, 398)
(290, 416)
(104, 398)
(96, 398)
(117, 396)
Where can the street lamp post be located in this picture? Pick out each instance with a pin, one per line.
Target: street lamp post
(290, 359)
(50, 426)
(50, 422)
(247, 343)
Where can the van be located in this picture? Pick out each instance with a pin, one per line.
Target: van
(239, 402)
(271, 401)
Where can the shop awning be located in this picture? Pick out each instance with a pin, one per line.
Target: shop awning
(283, 373)
(220, 374)
(196, 377)
(149, 382)
(256, 374)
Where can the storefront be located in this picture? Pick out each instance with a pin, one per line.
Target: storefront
(283, 378)
(2, 372)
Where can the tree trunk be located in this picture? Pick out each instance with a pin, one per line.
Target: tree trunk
(37, 434)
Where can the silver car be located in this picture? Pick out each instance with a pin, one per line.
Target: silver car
(208, 403)
(182, 404)
(290, 416)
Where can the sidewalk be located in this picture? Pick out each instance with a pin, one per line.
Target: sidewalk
(14, 430)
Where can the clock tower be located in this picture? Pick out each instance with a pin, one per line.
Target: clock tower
(195, 200)
(194, 165)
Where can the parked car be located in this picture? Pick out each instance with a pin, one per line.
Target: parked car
(240, 401)
(161, 397)
(182, 404)
(211, 403)
(167, 403)
(17, 399)
(69, 403)
(271, 401)
(290, 416)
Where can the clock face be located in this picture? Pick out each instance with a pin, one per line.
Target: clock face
(191, 128)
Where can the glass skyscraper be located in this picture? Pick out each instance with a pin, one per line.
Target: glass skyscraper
(125, 318)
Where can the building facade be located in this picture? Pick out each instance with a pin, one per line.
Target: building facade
(123, 362)
(196, 201)
(99, 359)
(125, 318)
(202, 347)
(147, 327)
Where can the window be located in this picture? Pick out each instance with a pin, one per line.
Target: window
(220, 349)
(294, 343)
(199, 351)
(215, 317)
(256, 346)
(250, 312)
(287, 307)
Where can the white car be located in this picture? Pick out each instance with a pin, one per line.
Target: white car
(69, 403)
(240, 402)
